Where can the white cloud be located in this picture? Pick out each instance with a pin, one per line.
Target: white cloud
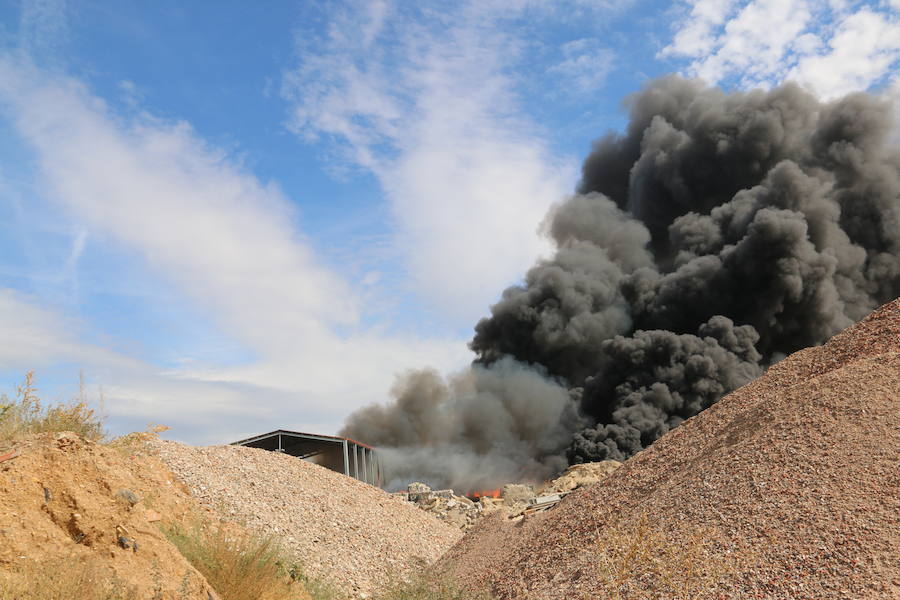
(227, 239)
(34, 336)
(136, 393)
(429, 106)
(864, 47)
(831, 48)
(754, 41)
(213, 405)
(585, 65)
(696, 37)
(229, 242)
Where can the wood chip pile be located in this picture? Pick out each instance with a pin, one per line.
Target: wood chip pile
(794, 480)
(350, 533)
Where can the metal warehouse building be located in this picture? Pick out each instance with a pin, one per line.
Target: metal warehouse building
(343, 455)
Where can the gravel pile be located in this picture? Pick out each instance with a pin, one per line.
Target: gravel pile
(345, 531)
(795, 478)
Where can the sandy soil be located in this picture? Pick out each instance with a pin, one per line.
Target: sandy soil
(66, 500)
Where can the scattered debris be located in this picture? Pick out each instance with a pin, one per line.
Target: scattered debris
(542, 503)
(458, 511)
(515, 499)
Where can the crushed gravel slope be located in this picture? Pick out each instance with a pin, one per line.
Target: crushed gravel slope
(350, 533)
(796, 477)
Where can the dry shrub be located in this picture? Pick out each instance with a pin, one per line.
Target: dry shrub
(642, 561)
(239, 565)
(28, 414)
(136, 440)
(64, 579)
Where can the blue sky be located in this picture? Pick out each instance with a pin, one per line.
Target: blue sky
(235, 216)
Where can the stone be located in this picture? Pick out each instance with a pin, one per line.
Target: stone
(153, 516)
(128, 496)
(418, 492)
(516, 493)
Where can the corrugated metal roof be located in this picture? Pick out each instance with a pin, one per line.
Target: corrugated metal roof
(312, 436)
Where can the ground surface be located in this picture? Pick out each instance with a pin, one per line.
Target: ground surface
(792, 482)
(346, 531)
(67, 501)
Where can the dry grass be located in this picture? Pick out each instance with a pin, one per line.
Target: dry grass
(642, 561)
(238, 565)
(136, 440)
(63, 579)
(28, 414)
(428, 587)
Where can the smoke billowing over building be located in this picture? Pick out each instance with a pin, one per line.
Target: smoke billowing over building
(719, 233)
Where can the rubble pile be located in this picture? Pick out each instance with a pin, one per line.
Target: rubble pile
(516, 499)
(458, 511)
(578, 476)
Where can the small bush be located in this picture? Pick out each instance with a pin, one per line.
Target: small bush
(28, 414)
(238, 565)
(64, 579)
(641, 561)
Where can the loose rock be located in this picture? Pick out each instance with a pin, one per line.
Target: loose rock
(341, 529)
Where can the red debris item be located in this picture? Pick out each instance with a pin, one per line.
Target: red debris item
(9, 456)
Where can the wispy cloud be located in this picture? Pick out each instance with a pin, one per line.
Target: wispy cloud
(230, 243)
(864, 47)
(43, 26)
(223, 236)
(428, 100)
(831, 48)
(137, 393)
(584, 66)
(33, 335)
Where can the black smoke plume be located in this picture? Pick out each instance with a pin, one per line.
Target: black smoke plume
(719, 233)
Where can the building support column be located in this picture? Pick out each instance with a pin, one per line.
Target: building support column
(364, 470)
(378, 477)
(346, 460)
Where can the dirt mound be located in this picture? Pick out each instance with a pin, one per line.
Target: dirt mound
(793, 482)
(69, 503)
(355, 535)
